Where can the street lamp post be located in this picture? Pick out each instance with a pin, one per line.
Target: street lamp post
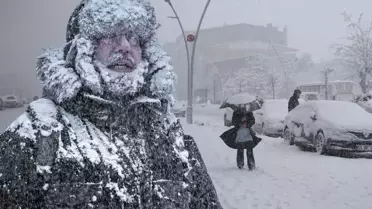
(285, 70)
(190, 61)
(282, 64)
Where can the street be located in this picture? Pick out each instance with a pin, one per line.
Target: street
(286, 177)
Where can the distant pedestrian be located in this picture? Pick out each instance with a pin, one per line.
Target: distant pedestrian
(293, 101)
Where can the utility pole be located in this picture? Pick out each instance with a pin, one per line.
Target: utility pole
(190, 61)
(285, 71)
(326, 79)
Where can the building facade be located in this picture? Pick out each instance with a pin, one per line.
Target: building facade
(222, 51)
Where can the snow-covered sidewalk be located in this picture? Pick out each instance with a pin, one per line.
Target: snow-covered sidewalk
(286, 178)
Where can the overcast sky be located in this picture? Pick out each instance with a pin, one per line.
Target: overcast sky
(29, 25)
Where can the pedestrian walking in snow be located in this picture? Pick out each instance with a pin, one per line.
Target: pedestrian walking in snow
(243, 122)
(102, 135)
(293, 101)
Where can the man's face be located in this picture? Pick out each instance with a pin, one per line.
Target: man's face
(120, 52)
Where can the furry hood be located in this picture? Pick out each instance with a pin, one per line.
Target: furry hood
(66, 72)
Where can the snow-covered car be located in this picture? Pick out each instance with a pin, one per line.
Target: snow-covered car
(179, 109)
(12, 101)
(242, 98)
(330, 125)
(365, 101)
(1, 104)
(270, 118)
(308, 96)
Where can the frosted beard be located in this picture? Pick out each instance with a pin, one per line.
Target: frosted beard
(121, 84)
(92, 72)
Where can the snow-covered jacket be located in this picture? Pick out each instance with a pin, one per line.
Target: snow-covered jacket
(86, 145)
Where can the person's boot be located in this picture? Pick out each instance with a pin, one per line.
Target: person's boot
(250, 160)
(240, 159)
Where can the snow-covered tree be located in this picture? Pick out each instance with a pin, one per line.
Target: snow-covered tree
(274, 81)
(252, 79)
(356, 54)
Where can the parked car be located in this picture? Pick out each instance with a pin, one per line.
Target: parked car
(330, 125)
(242, 98)
(365, 101)
(12, 101)
(1, 104)
(179, 109)
(270, 118)
(308, 96)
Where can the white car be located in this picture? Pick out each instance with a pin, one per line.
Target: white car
(12, 101)
(270, 118)
(179, 109)
(365, 101)
(1, 104)
(330, 125)
(241, 98)
(309, 96)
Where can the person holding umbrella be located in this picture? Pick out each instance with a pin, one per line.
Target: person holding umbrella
(243, 120)
(242, 136)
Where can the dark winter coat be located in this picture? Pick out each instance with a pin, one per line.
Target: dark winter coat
(83, 145)
(293, 102)
(238, 114)
(229, 136)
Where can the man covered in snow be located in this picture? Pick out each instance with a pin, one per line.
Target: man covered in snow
(102, 135)
(293, 101)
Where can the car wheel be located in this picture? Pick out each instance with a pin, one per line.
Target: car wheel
(320, 143)
(288, 136)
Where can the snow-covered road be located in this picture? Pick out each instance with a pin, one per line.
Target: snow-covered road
(286, 178)
(8, 115)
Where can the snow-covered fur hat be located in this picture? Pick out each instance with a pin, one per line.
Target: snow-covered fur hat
(94, 19)
(64, 73)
